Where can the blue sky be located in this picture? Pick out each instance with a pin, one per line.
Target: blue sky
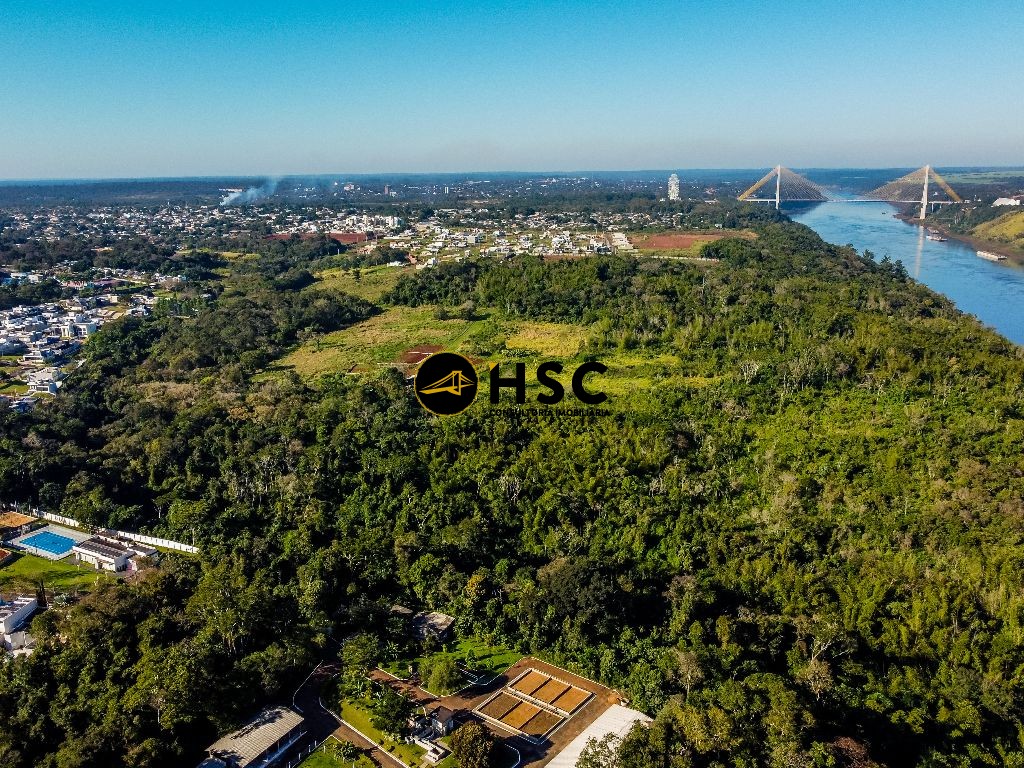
(110, 89)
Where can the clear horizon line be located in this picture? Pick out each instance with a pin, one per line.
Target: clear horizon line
(213, 177)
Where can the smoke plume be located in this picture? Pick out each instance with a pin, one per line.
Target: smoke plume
(252, 194)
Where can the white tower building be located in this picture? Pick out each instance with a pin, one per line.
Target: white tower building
(673, 187)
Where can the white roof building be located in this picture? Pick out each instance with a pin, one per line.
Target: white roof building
(258, 744)
(617, 720)
(14, 613)
(673, 187)
(107, 554)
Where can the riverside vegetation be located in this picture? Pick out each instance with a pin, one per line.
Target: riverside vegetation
(799, 542)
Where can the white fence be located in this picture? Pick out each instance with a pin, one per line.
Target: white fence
(158, 542)
(153, 541)
(59, 519)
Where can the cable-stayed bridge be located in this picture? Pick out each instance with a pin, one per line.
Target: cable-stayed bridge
(924, 186)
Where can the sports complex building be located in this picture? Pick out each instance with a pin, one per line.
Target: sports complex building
(56, 542)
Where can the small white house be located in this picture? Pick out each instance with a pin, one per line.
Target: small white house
(45, 380)
(1003, 201)
(16, 612)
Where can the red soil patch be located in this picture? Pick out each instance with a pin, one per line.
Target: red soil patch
(416, 355)
(541, 723)
(531, 682)
(520, 715)
(673, 241)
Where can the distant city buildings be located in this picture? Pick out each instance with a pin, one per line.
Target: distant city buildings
(673, 187)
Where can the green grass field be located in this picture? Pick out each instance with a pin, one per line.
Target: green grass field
(1008, 228)
(25, 571)
(983, 177)
(490, 660)
(634, 381)
(360, 718)
(382, 340)
(373, 282)
(329, 756)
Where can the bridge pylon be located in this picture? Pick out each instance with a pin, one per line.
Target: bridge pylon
(789, 187)
(904, 190)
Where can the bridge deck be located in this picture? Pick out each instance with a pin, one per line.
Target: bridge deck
(850, 200)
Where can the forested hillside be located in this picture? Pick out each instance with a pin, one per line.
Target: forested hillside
(799, 542)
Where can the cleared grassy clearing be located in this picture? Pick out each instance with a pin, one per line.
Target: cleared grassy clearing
(372, 283)
(382, 341)
(1008, 228)
(478, 656)
(548, 339)
(13, 388)
(634, 382)
(683, 243)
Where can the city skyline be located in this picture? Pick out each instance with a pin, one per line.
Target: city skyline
(123, 91)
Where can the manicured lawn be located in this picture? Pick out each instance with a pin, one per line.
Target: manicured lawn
(490, 660)
(359, 717)
(24, 572)
(328, 756)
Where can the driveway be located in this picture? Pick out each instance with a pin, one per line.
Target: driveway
(320, 723)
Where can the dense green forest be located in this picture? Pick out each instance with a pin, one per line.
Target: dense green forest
(809, 556)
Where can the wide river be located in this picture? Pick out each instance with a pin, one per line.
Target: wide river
(991, 291)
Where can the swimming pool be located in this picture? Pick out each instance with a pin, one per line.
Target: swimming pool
(49, 542)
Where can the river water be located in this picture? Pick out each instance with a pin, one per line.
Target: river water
(991, 291)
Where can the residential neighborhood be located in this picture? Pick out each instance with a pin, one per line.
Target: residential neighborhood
(39, 343)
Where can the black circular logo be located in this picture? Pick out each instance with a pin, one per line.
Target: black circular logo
(446, 383)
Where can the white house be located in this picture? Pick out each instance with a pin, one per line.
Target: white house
(45, 380)
(1000, 202)
(16, 612)
(103, 553)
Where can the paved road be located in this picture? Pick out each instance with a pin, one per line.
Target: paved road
(320, 723)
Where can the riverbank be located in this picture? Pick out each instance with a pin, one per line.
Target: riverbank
(992, 292)
(977, 243)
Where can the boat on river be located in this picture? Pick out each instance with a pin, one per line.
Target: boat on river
(988, 255)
